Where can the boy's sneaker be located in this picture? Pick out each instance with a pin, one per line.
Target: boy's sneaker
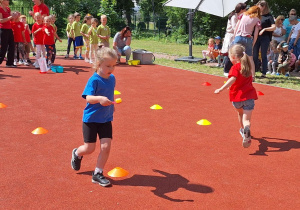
(75, 57)
(268, 72)
(75, 161)
(67, 56)
(80, 57)
(91, 62)
(277, 74)
(287, 74)
(87, 60)
(247, 137)
(242, 132)
(273, 73)
(100, 179)
(21, 62)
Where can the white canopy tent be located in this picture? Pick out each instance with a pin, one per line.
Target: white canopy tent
(215, 7)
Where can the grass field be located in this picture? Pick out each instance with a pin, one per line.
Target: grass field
(165, 49)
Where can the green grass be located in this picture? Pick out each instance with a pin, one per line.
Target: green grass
(174, 49)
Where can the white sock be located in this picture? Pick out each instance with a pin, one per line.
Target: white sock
(98, 170)
(79, 157)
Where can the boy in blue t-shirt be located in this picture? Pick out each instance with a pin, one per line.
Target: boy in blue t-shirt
(98, 114)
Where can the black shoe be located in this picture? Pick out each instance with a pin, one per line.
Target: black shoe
(75, 161)
(34, 54)
(100, 179)
(11, 66)
(263, 76)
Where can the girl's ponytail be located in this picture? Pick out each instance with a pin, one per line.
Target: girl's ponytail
(245, 65)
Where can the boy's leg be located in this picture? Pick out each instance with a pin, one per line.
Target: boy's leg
(53, 53)
(77, 154)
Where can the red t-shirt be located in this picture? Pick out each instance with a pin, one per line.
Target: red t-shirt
(242, 89)
(5, 14)
(27, 35)
(48, 39)
(17, 28)
(42, 8)
(38, 38)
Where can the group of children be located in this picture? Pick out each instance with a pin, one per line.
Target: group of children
(43, 33)
(88, 34)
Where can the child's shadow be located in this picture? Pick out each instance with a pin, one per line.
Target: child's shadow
(283, 146)
(164, 184)
(75, 69)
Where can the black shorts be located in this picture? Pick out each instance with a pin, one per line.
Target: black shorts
(90, 131)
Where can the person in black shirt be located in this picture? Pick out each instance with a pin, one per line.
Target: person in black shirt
(264, 38)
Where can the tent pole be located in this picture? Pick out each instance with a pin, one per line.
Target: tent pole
(190, 19)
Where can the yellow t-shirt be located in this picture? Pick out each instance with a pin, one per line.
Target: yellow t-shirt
(103, 31)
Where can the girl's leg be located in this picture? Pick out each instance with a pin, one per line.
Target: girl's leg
(240, 116)
(247, 117)
(69, 45)
(87, 50)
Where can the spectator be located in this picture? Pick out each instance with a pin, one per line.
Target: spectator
(294, 38)
(249, 22)
(121, 43)
(6, 33)
(217, 49)
(70, 38)
(229, 36)
(209, 51)
(297, 65)
(273, 58)
(287, 22)
(264, 38)
(280, 30)
(284, 59)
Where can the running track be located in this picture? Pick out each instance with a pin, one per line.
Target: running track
(173, 162)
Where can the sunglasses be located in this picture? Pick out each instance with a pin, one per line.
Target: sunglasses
(293, 14)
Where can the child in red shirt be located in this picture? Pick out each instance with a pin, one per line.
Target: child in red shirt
(38, 38)
(241, 91)
(27, 31)
(18, 29)
(40, 7)
(49, 34)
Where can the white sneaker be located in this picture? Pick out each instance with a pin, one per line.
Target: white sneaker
(246, 137)
(37, 66)
(87, 60)
(25, 63)
(268, 72)
(15, 63)
(20, 62)
(91, 62)
(273, 73)
(226, 74)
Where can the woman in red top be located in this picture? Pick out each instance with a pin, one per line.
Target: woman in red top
(241, 92)
(40, 7)
(6, 34)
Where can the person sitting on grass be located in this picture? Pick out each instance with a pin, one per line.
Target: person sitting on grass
(284, 59)
(209, 51)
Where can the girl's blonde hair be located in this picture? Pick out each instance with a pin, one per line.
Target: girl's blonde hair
(280, 17)
(103, 53)
(238, 51)
(209, 40)
(253, 12)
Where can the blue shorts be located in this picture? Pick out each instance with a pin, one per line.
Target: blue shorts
(78, 41)
(247, 42)
(246, 105)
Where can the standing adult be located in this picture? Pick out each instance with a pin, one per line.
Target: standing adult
(121, 43)
(264, 38)
(287, 22)
(249, 22)
(6, 33)
(294, 38)
(41, 7)
(280, 30)
(229, 36)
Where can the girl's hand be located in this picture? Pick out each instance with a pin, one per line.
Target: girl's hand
(217, 91)
(30, 13)
(104, 101)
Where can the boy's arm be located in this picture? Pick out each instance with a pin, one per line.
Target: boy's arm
(23, 35)
(104, 101)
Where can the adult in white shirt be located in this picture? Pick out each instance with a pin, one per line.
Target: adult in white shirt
(294, 38)
(280, 30)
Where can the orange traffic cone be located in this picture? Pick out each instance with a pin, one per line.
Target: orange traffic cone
(2, 105)
(118, 172)
(39, 130)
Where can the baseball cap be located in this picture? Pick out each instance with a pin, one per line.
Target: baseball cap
(284, 44)
(218, 37)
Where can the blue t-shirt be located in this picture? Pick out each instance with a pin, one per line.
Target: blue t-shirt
(288, 26)
(98, 86)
